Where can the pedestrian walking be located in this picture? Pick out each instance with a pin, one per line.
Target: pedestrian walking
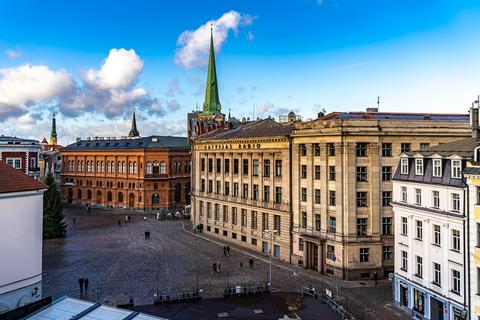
(80, 283)
(224, 250)
(218, 266)
(119, 223)
(228, 251)
(375, 277)
(214, 266)
(251, 263)
(74, 220)
(129, 219)
(144, 218)
(86, 284)
(241, 264)
(126, 219)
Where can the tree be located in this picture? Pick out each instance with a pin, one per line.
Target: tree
(53, 223)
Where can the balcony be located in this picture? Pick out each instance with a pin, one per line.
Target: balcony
(156, 176)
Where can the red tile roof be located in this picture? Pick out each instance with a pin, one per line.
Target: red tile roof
(13, 180)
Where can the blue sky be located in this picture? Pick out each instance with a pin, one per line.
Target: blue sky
(273, 56)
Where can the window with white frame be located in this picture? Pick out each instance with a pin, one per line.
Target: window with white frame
(404, 226)
(404, 266)
(437, 167)
(419, 267)
(455, 202)
(418, 197)
(437, 274)
(435, 199)
(15, 162)
(404, 166)
(419, 230)
(404, 194)
(455, 240)
(456, 281)
(419, 167)
(456, 169)
(437, 237)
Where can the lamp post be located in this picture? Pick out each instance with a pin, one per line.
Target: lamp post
(271, 233)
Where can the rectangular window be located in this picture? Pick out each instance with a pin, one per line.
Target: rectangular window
(226, 165)
(209, 210)
(361, 149)
(317, 172)
(362, 199)
(234, 216)
(386, 198)
(387, 252)
(244, 217)
(419, 167)
(276, 251)
(304, 220)
(235, 189)
(331, 173)
(255, 167)
(300, 244)
(235, 166)
(330, 252)
(455, 202)
(304, 194)
(202, 186)
(210, 186)
(276, 223)
(217, 211)
(266, 168)
(456, 169)
(245, 167)
(437, 236)
(202, 164)
(404, 266)
(437, 167)
(210, 165)
(219, 166)
(278, 195)
(404, 226)
(456, 240)
(456, 281)
(361, 226)
(226, 191)
(331, 198)
(264, 221)
(418, 197)
(317, 196)
(437, 274)
(255, 192)
(404, 194)
(386, 173)
(361, 174)
(364, 254)
(303, 149)
(225, 213)
(424, 146)
(386, 149)
(331, 149)
(419, 230)
(304, 171)
(332, 224)
(316, 149)
(317, 222)
(404, 166)
(435, 199)
(419, 265)
(254, 241)
(386, 226)
(218, 187)
(278, 168)
(405, 147)
(245, 191)
(266, 193)
(254, 220)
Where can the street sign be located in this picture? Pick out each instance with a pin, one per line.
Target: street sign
(328, 293)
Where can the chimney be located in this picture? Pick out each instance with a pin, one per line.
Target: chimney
(474, 121)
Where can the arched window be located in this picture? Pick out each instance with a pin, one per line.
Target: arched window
(187, 193)
(102, 166)
(130, 167)
(175, 167)
(79, 194)
(123, 166)
(178, 192)
(134, 167)
(162, 167)
(120, 197)
(89, 194)
(155, 186)
(149, 168)
(155, 167)
(155, 199)
(113, 166)
(109, 196)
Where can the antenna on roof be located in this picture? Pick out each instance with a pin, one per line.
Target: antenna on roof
(378, 102)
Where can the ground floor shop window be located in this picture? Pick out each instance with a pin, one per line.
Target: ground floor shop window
(418, 301)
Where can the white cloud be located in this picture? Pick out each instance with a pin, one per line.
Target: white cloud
(13, 54)
(119, 71)
(174, 88)
(173, 105)
(250, 36)
(193, 45)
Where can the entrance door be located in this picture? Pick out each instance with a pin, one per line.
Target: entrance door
(70, 195)
(403, 296)
(131, 200)
(436, 309)
(312, 256)
(315, 258)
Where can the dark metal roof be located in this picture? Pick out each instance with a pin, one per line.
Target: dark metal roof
(259, 128)
(395, 116)
(463, 148)
(151, 142)
(10, 138)
(471, 170)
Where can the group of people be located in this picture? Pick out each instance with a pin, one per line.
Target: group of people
(83, 283)
(250, 263)
(226, 251)
(216, 266)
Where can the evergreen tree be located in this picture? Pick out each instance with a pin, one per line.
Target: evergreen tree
(53, 224)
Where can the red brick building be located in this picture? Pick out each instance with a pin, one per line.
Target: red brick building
(21, 154)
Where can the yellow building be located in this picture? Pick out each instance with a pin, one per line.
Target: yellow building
(342, 164)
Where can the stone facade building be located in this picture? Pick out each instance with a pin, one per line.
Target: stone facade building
(130, 172)
(342, 165)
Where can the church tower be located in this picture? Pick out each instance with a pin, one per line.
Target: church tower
(53, 133)
(134, 132)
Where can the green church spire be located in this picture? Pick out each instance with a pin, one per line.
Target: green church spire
(212, 102)
(53, 133)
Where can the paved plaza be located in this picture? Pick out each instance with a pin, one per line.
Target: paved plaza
(121, 264)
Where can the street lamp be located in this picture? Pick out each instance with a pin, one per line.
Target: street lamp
(271, 233)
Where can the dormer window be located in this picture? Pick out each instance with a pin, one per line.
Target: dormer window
(404, 166)
(419, 167)
(456, 169)
(437, 167)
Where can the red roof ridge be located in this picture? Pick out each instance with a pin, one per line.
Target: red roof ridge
(14, 180)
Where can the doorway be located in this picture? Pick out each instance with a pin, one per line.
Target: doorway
(436, 309)
(404, 296)
(312, 256)
(131, 200)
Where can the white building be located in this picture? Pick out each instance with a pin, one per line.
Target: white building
(21, 215)
(431, 238)
(21, 154)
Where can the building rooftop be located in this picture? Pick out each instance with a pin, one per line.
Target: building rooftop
(16, 140)
(395, 116)
(259, 128)
(151, 142)
(463, 148)
(14, 180)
